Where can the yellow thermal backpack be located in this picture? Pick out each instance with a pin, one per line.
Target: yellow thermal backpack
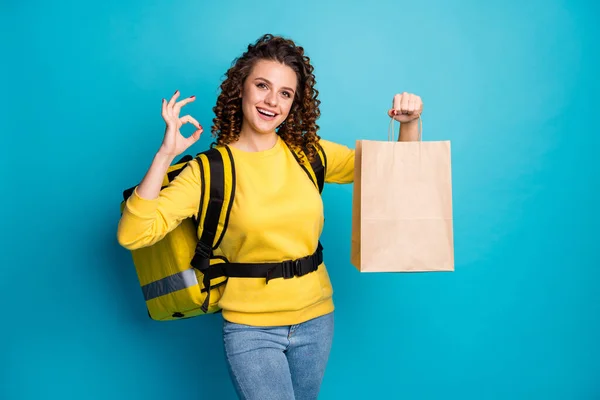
(175, 272)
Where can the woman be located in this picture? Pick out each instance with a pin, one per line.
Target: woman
(277, 337)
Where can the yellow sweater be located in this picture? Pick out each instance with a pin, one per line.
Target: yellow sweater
(277, 215)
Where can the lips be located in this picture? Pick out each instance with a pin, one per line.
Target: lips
(265, 114)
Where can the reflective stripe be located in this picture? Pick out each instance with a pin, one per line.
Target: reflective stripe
(170, 284)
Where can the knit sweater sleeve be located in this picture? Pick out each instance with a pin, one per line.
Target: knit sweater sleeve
(340, 162)
(146, 221)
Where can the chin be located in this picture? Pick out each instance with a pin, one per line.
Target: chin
(264, 128)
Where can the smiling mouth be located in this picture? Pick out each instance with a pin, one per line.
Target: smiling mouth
(266, 113)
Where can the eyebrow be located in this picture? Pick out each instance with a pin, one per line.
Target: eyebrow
(270, 83)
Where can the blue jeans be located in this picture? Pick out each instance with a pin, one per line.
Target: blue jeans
(279, 362)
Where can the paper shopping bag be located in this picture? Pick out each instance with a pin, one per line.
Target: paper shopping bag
(402, 207)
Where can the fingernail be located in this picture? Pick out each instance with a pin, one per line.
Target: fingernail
(193, 97)
(176, 91)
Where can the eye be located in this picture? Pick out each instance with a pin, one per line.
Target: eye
(261, 85)
(287, 94)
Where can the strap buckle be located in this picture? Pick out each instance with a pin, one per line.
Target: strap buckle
(290, 269)
(203, 249)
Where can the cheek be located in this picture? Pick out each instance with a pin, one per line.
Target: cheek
(249, 98)
(247, 105)
(285, 110)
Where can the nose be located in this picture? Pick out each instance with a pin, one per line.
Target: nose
(271, 99)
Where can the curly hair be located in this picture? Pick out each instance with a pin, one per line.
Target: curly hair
(299, 130)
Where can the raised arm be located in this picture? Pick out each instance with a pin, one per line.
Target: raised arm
(406, 108)
(149, 214)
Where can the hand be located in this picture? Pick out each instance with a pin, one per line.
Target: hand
(174, 143)
(406, 107)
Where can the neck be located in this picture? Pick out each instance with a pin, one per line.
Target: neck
(254, 141)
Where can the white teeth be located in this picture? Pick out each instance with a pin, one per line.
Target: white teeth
(269, 113)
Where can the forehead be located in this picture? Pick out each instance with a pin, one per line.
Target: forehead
(277, 73)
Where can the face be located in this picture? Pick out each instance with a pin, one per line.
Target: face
(267, 96)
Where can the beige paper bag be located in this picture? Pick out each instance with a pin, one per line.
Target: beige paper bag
(402, 207)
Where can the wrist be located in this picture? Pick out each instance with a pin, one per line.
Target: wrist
(413, 122)
(409, 131)
(164, 158)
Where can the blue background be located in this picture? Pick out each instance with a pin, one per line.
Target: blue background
(510, 83)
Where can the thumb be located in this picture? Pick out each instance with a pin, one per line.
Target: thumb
(195, 136)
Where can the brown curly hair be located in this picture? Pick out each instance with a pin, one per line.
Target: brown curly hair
(299, 130)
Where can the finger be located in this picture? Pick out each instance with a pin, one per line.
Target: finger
(195, 136)
(396, 114)
(163, 111)
(404, 103)
(396, 103)
(172, 102)
(183, 102)
(189, 119)
(412, 104)
(419, 105)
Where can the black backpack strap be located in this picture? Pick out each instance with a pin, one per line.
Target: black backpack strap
(208, 240)
(285, 269)
(318, 165)
(231, 173)
(216, 196)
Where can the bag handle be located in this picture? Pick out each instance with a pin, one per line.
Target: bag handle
(420, 140)
(391, 129)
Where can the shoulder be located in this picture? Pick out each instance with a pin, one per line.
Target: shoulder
(215, 155)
